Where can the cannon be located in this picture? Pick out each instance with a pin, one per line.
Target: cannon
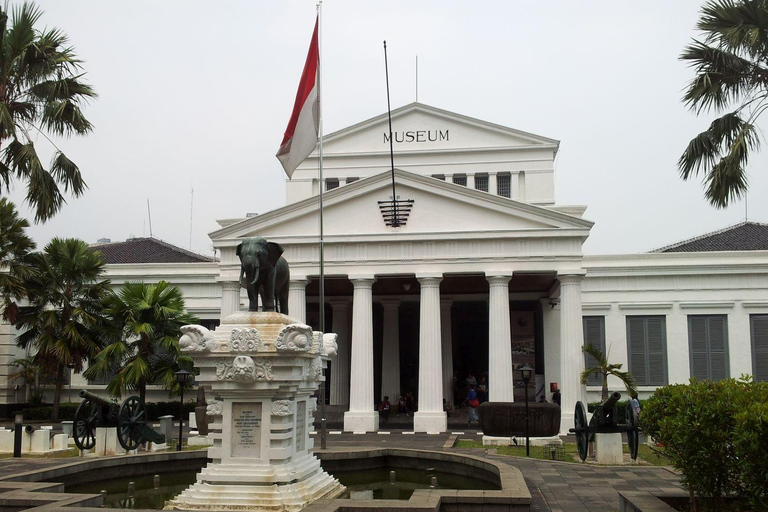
(130, 420)
(605, 421)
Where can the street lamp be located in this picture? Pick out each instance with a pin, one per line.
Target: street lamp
(181, 378)
(526, 371)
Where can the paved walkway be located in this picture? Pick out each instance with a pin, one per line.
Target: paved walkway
(555, 486)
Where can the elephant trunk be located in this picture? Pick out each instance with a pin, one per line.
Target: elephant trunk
(255, 275)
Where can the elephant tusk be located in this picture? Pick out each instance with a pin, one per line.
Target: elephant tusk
(255, 276)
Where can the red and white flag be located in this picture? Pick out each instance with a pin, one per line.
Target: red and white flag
(300, 137)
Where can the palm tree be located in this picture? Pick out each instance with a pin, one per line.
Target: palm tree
(146, 320)
(64, 318)
(604, 369)
(731, 66)
(41, 91)
(15, 248)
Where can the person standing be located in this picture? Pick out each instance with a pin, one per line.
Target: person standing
(556, 395)
(473, 403)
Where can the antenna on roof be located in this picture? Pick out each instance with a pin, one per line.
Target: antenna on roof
(149, 213)
(746, 208)
(191, 204)
(417, 78)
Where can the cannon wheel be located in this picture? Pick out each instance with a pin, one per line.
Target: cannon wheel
(130, 423)
(633, 432)
(85, 425)
(581, 430)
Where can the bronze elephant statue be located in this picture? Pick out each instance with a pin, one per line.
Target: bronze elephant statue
(264, 272)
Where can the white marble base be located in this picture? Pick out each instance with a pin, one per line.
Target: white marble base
(40, 441)
(566, 421)
(608, 449)
(107, 443)
(361, 421)
(199, 441)
(431, 422)
(259, 487)
(60, 442)
(6, 440)
(508, 441)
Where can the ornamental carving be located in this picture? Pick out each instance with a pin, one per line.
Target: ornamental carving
(244, 340)
(317, 342)
(312, 406)
(244, 369)
(294, 338)
(282, 408)
(316, 369)
(196, 338)
(330, 345)
(214, 408)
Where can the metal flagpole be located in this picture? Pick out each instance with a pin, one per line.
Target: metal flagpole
(322, 247)
(391, 148)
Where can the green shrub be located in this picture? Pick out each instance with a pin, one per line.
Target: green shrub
(715, 434)
(66, 412)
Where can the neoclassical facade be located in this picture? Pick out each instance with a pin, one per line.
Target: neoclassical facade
(486, 275)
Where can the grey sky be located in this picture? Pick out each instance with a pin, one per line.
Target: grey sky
(199, 93)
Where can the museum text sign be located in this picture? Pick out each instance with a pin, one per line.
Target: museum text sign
(419, 136)
(246, 429)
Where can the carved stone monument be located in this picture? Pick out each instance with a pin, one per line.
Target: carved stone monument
(262, 368)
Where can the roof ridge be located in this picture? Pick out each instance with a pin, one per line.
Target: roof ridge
(707, 235)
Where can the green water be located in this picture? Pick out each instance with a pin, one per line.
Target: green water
(370, 484)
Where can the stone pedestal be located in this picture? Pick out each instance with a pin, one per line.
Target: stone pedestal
(262, 368)
(608, 449)
(107, 443)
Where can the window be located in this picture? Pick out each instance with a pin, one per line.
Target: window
(758, 327)
(439, 176)
(481, 182)
(708, 344)
(594, 334)
(647, 348)
(503, 184)
(351, 180)
(460, 179)
(331, 183)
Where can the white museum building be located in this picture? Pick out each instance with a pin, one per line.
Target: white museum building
(486, 275)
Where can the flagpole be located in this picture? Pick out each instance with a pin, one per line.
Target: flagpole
(322, 242)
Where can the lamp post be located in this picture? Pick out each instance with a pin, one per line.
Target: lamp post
(181, 378)
(526, 371)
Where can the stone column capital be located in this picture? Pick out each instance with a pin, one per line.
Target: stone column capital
(299, 283)
(390, 303)
(340, 304)
(230, 285)
(429, 281)
(570, 279)
(498, 281)
(362, 281)
(446, 303)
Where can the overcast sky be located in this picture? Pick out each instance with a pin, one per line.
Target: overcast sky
(198, 94)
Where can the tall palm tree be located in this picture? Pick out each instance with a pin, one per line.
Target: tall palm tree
(41, 91)
(62, 324)
(603, 368)
(15, 250)
(731, 66)
(146, 320)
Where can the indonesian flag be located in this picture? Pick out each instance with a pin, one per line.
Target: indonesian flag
(300, 137)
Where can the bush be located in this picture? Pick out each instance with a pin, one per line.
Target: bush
(714, 433)
(66, 412)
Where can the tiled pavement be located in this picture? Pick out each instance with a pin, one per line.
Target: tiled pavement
(555, 486)
(564, 486)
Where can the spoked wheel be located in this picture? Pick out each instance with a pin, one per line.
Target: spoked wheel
(581, 430)
(633, 432)
(131, 423)
(85, 425)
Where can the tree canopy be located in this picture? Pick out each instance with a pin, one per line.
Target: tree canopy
(41, 91)
(731, 80)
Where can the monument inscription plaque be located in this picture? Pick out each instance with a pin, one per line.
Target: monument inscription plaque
(246, 429)
(301, 425)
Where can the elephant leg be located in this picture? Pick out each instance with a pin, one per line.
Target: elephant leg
(253, 303)
(268, 290)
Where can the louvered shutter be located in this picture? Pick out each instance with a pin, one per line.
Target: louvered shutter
(718, 347)
(655, 336)
(759, 347)
(594, 334)
(636, 349)
(697, 338)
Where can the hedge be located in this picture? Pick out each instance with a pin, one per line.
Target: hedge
(67, 411)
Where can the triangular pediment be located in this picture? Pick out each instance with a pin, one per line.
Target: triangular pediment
(439, 209)
(417, 127)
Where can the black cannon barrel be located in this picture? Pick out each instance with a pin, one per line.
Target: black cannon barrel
(29, 429)
(95, 398)
(611, 402)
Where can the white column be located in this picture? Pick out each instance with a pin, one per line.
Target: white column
(297, 299)
(499, 342)
(520, 186)
(550, 314)
(447, 348)
(430, 417)
(230, 298)
(471, 181)
(390, 355)
(492, 187)
(362, 415)
(571, 356)
(340, 362)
